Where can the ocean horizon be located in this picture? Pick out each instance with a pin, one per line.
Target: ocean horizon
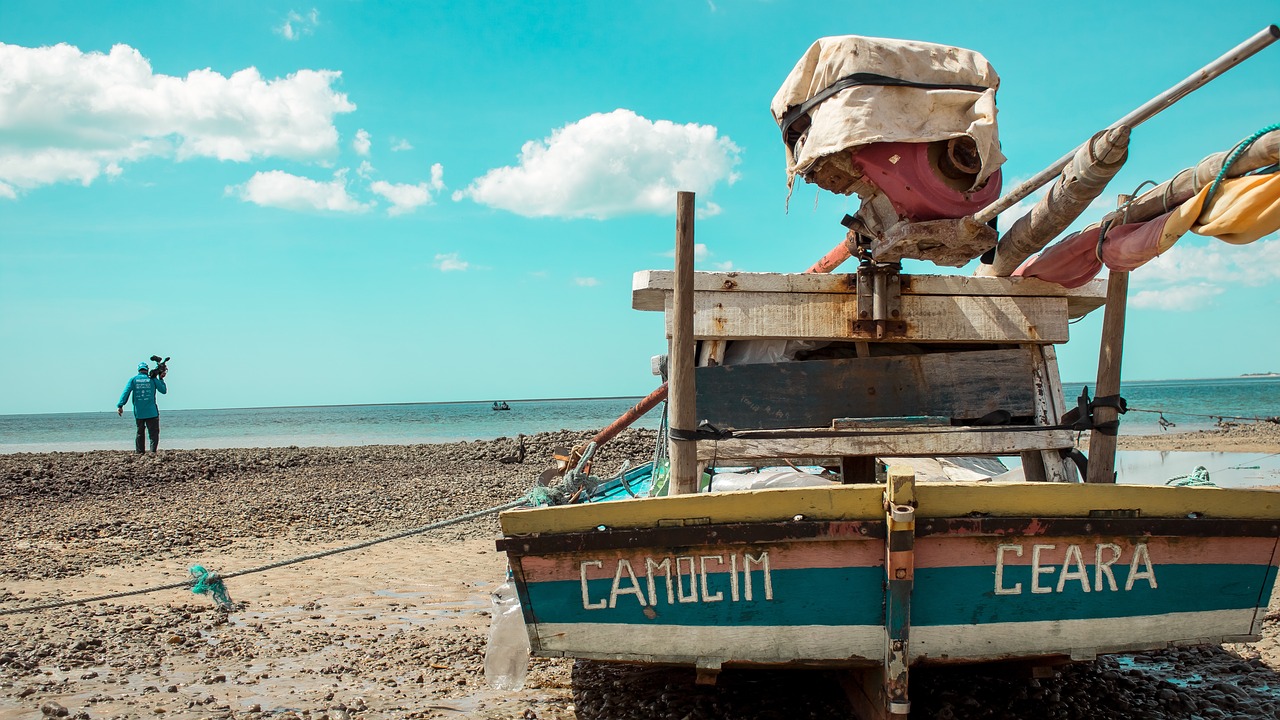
(1188, 404)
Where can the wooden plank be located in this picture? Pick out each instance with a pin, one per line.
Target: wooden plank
(865, 502)
(1045, 466)
(963, 385)
(649, 287)
(681, 402)
(1058, 408)
(938, 442)
(838, 502)
(1102, 447)
(929, 318)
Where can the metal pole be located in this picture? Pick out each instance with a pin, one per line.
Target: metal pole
(684, 412)
(1155, 105)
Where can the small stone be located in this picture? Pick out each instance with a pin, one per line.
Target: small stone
(53, 710)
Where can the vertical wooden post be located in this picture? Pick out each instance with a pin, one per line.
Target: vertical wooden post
(1102, 448)
(684, 413)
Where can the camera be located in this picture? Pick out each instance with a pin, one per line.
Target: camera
(162, 367)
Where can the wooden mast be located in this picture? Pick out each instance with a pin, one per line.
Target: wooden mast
(1102, 448)
(684, 413)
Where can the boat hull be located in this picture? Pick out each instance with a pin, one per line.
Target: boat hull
(813, 590)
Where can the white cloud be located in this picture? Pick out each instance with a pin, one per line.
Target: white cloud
(725, 266)
(296, 25)
(404, 197)
(586, 282)
(609, 164)
(407, 198)
(1163, 282)
(366, 170)
(1175, 297)
(449, 262)
(400, 145)
(7, 191)
(290, 192)
(362, 142)
(72, 116)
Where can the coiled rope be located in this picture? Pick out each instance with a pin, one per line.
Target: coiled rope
(203, 581)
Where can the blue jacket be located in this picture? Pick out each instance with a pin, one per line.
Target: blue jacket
(144, 390)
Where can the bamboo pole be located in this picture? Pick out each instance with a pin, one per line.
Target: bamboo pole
(1144, 112)
(684, 412)
(1102, 448)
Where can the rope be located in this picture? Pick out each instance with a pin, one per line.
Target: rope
(1198, 478)
(1270, 419)
(1236, 152)
(209, 582)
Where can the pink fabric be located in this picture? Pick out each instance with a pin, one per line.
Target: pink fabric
(1074, 261)
(903, 172)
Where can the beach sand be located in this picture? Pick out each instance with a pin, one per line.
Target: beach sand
(398, 629)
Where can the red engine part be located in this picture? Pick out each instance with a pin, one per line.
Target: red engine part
(923, 182)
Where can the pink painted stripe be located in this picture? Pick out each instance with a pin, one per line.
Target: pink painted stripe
(786, 556)
(932, 552)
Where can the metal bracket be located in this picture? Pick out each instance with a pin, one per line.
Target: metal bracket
(880, 301)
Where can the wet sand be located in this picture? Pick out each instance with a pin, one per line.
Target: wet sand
(398, 630)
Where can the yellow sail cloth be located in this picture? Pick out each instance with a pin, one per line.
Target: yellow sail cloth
(1243, 210)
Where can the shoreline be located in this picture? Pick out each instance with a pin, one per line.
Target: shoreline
(1231, 437)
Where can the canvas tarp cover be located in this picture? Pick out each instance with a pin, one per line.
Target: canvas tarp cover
(873, 113)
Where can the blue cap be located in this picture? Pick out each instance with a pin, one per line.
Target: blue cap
(142, 366)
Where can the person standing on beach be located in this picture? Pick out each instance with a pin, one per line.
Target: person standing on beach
(143, 388)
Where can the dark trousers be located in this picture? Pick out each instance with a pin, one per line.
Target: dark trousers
(150, 426)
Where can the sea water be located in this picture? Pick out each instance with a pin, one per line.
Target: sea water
(1191, 404)
(330, 425)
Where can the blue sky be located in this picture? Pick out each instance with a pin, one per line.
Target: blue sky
(364, 202)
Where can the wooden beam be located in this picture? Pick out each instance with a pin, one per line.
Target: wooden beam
(684, 414)
(1102, 448)
(928, 318)
(650, 287)
(813, 393)
(943, 442)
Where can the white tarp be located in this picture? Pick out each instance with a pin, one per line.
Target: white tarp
(872, 113)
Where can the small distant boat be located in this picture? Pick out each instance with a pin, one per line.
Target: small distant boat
(501, 406)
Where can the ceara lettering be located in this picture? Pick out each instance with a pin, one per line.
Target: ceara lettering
(1055, 571)
(733, 577)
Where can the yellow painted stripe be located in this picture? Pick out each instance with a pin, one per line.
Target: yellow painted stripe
(864, 502)
(943, 500)
(844, 502)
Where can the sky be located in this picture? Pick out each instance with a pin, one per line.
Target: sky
(380, 202)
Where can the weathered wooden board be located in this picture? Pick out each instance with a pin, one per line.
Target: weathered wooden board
(929, 318)
(912, 443)
(813, 393)
(649, 287)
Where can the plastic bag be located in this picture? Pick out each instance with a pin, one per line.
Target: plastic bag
(727, 481)
(506, 657)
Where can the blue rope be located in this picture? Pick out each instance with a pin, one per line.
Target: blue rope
(1235, 155)
(210, 583)
(1198, 478)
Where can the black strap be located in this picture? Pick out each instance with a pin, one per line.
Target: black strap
(704, 431)
(1081, 418)
(796, 112)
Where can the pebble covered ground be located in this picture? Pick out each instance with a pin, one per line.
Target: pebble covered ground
(70, 522)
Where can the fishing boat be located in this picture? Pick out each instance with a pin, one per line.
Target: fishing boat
(858, 381)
